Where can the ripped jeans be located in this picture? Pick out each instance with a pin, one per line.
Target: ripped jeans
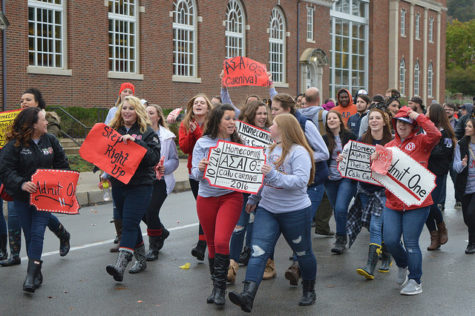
(243, 229)
(295, 226)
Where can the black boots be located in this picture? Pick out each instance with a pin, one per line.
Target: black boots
(156, 244)
(118, 230)
(210, 299)
(385, 260)
(199, 250)
(246, 298)
(3, 246)
(245, 256)
(14, 239)
(220, 271)
(117, 270)
(141, 262)
(340, 244)
(33, 278)
(368, 270)
(64, 238)
(308, 297)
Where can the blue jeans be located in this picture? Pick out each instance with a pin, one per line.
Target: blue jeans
(131, 202)
(295, 227)
(339, 194)
(435, 216)
(376, 223)
(34, 224)
(243, 227)
(409, 224)
(14, 219)
(3, 224)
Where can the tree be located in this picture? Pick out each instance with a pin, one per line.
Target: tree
(462, 10)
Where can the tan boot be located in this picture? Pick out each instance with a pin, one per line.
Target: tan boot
(434, 241)
(293, 274)
(232, 271)
(443, 234)
(269, 271)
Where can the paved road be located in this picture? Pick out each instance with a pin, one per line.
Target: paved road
(78, 284)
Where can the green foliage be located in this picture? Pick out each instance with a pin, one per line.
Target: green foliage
(87, 116)
(78, 164)
(460, 45)
(462, 10)
(461, 80)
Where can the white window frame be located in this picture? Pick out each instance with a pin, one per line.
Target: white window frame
(417, 28)
(310, 19)
(51, 68)
(235, 29)
(430, 80)
(187, 70)
(130, 24)
(403, 22)
(277, 47)
(417, 77)
(431, 30)
(402, 76)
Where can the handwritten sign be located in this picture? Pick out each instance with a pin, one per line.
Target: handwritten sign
(243, 71)
(235, 167)
(103, 148)
(253, 136)
(407, 179)
(6, 121)
(356, 162)
(56, 191)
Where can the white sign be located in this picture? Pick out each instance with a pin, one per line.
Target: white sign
(356, 162)
(235, 167)
(407, 179)
(253, 136)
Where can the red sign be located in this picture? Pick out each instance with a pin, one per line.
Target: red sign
(103, 148)
(243, 71)
(56, 191)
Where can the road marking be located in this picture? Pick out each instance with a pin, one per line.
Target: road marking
(99, 243)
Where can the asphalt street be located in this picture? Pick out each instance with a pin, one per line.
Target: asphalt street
(79, 285)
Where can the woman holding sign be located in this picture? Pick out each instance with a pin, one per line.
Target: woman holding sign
(132, 199)
(284, 208)
(403, 220)
(29, 148)
(218, 209)
(190, 131)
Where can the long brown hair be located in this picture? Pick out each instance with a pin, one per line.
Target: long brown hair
(438, 116)
(330, 136)
(211, 128)
(291, 133)
(161, 117)
(142, 117)
(189, 116)
(286, 102)
(248, 114)
(23, 126)
(367, 137)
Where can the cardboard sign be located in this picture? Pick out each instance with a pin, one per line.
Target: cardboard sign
(407, 179)
(243, 71)
(6, 121)
(356, 162)
(235, 167)
(56, 191)
(253, 136)
(103, 149)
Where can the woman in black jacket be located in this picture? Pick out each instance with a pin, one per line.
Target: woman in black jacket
(132, 199)
(29, 148)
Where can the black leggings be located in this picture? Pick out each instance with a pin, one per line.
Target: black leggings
(195, 185)
(151, 218)
(468, 209)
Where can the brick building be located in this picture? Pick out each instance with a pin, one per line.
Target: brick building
(78, 52)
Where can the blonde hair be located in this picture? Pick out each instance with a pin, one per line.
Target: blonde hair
(142, 117)
(291, 133)
(159, 110)
(189, 116)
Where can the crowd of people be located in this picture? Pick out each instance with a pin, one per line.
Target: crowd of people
(302, 185)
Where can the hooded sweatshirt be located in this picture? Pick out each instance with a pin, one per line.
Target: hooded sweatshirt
(348, 110)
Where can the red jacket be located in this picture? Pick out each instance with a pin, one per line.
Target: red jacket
(187, 141)
(419, 147)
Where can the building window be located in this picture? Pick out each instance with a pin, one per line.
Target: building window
(416, 78)
(418, 26)
(349, 53)
(403, 22)
(402, 77)
(431, 30)
(430, 80)
(46, 33)
(309, 24)
(277, 45)
(123, 30)
(184, 38)
(235, 29)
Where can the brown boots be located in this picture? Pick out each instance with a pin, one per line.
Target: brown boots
(443, 235)
(438, 237)
(118, 230)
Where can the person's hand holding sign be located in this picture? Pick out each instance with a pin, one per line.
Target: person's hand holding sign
(340, 157)
(202, 165)
(127, 137)
(29, 187)
(266, 169)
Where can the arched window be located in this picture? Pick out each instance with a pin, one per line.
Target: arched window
(430, 77)
(277, 45)
(184, 38)
(235, 29)
(416, 78)
(402, 76)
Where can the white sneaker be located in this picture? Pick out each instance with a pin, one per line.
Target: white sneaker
(402, 276)
(411, 288)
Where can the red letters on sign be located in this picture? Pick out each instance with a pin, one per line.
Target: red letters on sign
(243, 71)
(103, 149)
